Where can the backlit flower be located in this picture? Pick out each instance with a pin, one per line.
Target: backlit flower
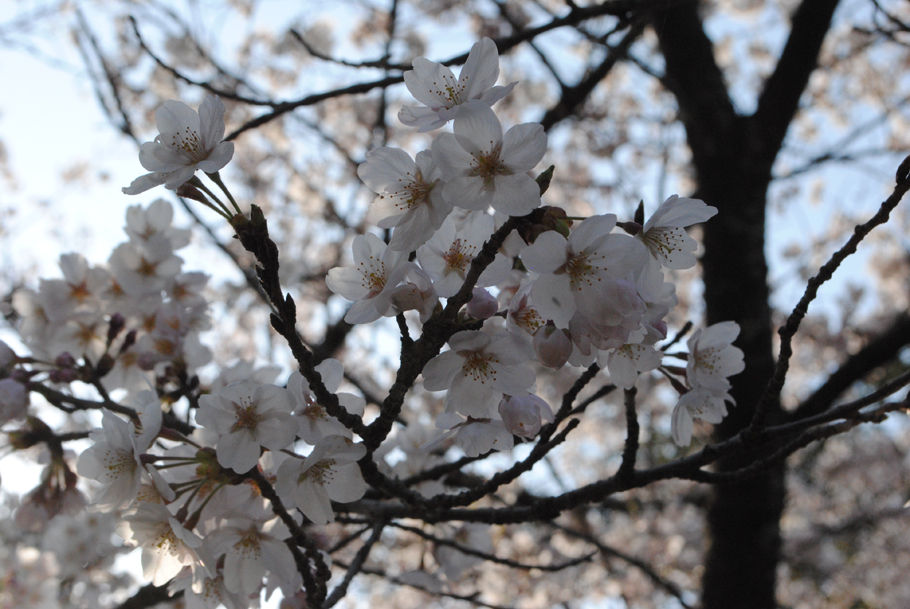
(186, 141)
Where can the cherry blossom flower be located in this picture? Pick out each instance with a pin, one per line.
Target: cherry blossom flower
(246, 416)
(627, 362)
(329, 473)
(314, 423)
(250, 549)
(713, 358)
(167, 546)
(114, 458)
(572, 270)
(187, 141)
(79, 291)
(410, 196)
(144, 223)
(484, 168)
(448, 255)
(697, 403)
(434, 85)
(477, 370)
(664, 233)
(377, 270)
(203, 592)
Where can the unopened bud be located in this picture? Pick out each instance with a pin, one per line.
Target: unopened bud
(104, 365)
(523, 415)
(115, 326)
(482, 305)
(65, 360)
(128, 341)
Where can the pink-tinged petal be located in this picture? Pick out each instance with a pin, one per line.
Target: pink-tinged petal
(554, 299)
(523, 146)
(467, 192)
(546, 254)
(439, 371)
(476, 128)
(515, 195)
(590, 231)
(174, 117)
(211, 121)
(220, 155)
(481, 69)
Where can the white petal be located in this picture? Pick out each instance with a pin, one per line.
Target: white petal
(476, 128)
(523, 146)
(481, 69)
(515, 195)
(546, 254)
(681, 426)
(211, 122)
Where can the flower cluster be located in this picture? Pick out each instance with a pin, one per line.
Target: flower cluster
(199, 493)
(574, 293)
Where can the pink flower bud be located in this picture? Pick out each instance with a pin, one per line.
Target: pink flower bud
(524, 414)
(482, 304)
(552, 346)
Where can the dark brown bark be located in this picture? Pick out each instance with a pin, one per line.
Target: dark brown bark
(733, 155)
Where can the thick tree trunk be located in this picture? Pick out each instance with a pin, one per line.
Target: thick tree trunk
(744, 517)
(732, 156)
